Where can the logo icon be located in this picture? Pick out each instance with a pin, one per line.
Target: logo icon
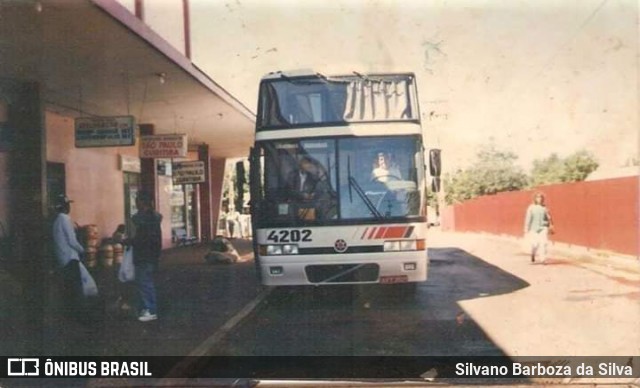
(340, 245)
(23, 367)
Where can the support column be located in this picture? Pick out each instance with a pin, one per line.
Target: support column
(187, 28)
(205, 195)
(216, 177)
(28, 206)
(139, 9)
(148, 171)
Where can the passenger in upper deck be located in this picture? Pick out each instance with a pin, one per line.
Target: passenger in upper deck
(385, 169)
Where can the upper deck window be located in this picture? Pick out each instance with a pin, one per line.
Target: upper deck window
(288, 102)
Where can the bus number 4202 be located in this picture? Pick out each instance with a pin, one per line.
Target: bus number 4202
(285, 236)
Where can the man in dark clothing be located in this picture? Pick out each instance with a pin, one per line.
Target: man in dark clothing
(310, 184)
(302, 182)
(147, 244)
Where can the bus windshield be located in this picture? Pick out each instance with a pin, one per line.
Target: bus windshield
(316, 100)
(351, 178)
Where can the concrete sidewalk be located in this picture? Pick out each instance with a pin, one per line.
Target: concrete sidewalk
(195, 299)
(609, 263)
(577, 304)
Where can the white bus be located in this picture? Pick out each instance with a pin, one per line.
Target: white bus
(338, 192)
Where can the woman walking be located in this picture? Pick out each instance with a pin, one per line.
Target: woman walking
(537, 224)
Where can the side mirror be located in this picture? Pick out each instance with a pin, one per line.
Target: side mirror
(435, 184)
(435, 163)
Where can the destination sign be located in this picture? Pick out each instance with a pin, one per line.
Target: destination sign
(163, 146)
(114, 131)
(188, 172)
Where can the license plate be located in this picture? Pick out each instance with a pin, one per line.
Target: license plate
(394, 279)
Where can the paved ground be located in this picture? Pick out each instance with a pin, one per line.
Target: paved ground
(195, 299)
(583, 302)
(578, 302)
(377, 320)
(623, 268)
(198, 299)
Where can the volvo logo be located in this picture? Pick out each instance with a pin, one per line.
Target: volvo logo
(340, 245)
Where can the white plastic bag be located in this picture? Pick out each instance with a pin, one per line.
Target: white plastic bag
(89, 286)
(127, 272)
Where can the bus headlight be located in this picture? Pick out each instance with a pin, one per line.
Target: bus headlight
(391, 246)
(273, 250)
(408, 245)
(289, 249)
(404, 245)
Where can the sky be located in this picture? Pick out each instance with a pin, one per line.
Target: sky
(533, 77)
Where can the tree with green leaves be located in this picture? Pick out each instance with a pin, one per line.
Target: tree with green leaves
(574, 168)
(548, 170)
(493, 171)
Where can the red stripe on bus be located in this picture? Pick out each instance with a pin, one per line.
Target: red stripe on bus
(364, 233)
(371, 233)
(395, 232)
(380, 233)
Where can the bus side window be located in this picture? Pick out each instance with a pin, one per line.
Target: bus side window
(336, 108)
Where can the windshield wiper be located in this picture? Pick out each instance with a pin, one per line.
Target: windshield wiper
(353, 183)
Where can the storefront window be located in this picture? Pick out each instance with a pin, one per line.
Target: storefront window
(131, 187)
(177, 208)
(191, 210)
(184, 212)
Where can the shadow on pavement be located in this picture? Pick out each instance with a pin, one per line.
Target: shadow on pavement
(196, 298)
(378, 320)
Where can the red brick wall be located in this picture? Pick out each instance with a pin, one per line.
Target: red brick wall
(599, 214)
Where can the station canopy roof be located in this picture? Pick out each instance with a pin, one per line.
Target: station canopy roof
(94, 58)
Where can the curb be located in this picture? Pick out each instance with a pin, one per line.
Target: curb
(191, 360)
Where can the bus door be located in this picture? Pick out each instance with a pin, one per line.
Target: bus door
(255, 190)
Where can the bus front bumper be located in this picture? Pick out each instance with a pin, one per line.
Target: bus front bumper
(356, 268)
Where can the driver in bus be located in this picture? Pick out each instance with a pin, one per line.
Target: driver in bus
(309, 183)
(385, 169)
(302, 181)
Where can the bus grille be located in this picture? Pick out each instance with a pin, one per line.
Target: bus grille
(342, 273)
